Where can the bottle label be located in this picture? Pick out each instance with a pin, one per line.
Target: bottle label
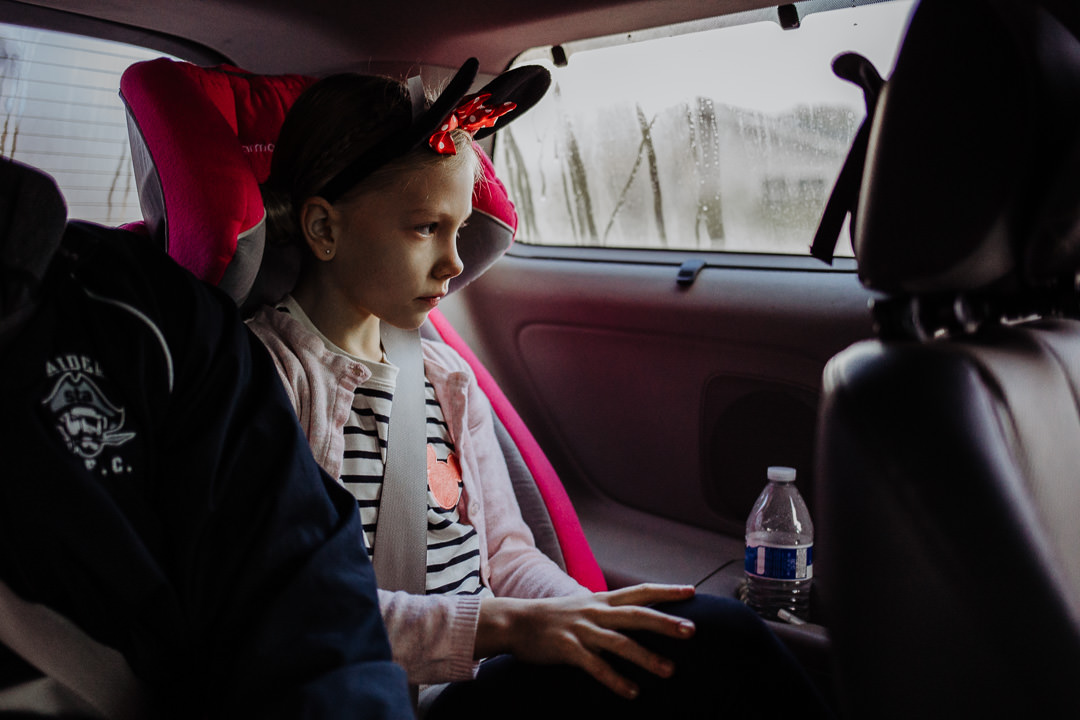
(780, 563)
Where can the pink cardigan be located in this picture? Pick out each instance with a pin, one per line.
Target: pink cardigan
(432, 636)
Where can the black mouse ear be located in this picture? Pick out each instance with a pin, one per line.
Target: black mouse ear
(523, 86)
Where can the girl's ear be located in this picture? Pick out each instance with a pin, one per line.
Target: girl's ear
(315, 222)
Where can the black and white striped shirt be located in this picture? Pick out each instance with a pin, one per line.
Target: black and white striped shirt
(453, 554)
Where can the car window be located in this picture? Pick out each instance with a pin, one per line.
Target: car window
(726, 138)
(61, 112)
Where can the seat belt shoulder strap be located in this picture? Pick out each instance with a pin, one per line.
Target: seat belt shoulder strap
(400, 550)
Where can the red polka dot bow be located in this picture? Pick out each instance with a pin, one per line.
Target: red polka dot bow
(470, 116)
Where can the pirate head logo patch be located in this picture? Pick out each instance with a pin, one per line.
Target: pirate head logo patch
(87, 420)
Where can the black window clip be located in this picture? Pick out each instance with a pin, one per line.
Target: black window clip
(688, 272)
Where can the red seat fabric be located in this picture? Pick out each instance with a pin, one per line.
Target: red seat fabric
(202, 139)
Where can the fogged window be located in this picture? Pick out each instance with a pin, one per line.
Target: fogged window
(61, 112)
(725, 139)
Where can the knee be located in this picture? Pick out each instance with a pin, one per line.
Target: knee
(722, 620)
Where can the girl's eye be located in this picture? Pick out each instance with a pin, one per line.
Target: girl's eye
(427, 228)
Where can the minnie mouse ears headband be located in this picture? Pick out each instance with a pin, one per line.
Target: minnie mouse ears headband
(504, 98)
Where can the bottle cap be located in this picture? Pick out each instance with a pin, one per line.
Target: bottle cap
(781, 474)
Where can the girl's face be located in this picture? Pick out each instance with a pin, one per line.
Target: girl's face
(395, 248)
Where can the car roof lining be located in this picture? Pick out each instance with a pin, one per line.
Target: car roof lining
(360, 36)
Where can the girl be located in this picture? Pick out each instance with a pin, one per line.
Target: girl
(375, 182)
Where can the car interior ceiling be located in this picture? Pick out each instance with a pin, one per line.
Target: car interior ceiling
(339, 36)
(367, 36)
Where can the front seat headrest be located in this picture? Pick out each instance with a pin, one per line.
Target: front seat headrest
(32, 220)
(972, 175)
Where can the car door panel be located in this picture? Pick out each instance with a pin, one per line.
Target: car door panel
(661, 405)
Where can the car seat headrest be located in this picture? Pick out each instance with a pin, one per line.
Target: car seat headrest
(972, 172)
(971, 181)
(491, 228)
(202, 139)
(32, 220)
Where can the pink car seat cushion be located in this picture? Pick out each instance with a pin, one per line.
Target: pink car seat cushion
(203, 137)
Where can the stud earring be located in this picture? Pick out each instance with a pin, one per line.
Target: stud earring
(327, 251)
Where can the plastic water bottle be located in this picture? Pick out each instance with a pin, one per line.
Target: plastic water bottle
(779, 549)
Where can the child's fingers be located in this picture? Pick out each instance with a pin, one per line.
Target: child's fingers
(625, 614)
(604, 674)
(628, 649)
(644, 619)
(649, 594)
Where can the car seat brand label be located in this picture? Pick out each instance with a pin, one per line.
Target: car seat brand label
(86, 418)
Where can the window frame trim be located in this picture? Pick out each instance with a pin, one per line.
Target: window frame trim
(730, 260)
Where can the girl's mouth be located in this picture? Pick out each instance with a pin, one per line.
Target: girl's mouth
(432, 300)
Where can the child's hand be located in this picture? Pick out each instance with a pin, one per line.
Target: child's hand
(576, 630)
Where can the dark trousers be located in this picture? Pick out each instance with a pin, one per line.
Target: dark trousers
(733, 667)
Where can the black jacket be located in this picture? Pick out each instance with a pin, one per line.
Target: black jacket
(156, 489)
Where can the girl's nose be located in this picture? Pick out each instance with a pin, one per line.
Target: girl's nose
(450, 265)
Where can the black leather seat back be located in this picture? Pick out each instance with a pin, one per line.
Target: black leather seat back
(947, 524)
(32, 219)
(949, 448)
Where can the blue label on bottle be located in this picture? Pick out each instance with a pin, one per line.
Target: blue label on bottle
(780, 563)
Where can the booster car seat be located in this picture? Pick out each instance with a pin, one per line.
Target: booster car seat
(201, 143)
(949, 447)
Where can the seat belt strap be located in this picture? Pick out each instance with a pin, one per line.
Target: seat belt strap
(57, 647)
(844, 199)
(400, 550)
